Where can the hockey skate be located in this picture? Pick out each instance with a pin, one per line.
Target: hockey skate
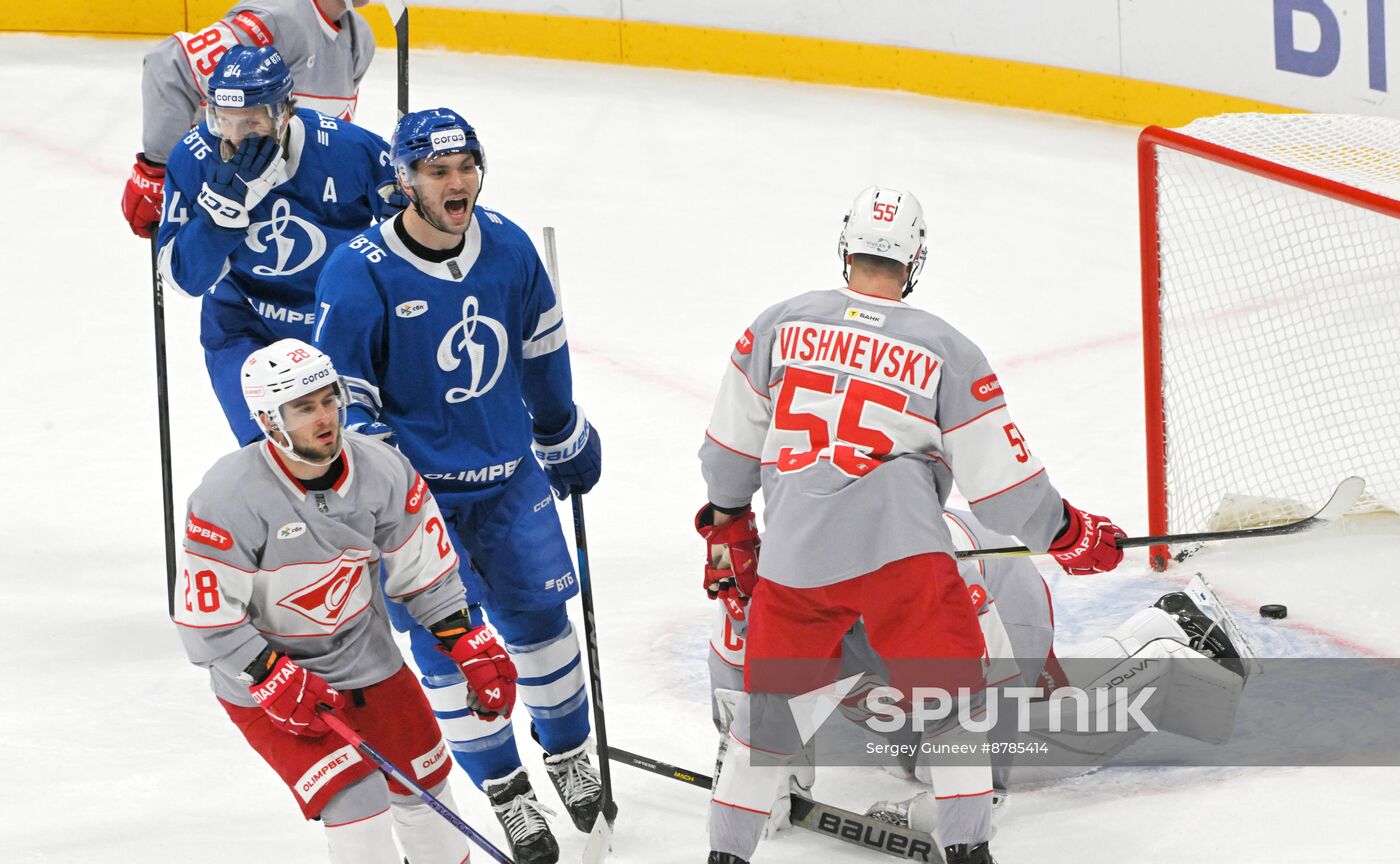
(576, 780)
(1202, 632)
(725, 858)
(522, 816)
(962, 853)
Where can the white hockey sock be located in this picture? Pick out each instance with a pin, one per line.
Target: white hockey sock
(366, 841)
(425, 836)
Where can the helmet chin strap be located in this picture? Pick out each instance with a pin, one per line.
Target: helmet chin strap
(418, 205)
(270, 430)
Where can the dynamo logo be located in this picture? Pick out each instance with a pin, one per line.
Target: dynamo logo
(459, 343)
(297, 243)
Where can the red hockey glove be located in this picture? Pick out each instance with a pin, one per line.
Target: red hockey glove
(1089, 543)
(488, 669)
(731, 565)
(290, 695)
(144, 196)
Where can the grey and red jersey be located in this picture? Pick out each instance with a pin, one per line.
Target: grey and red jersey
(855, 415)
(328, 59)
(269, 562)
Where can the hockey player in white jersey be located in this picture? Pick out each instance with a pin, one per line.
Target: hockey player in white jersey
(279, 599)
(327, 45)
(855, 413)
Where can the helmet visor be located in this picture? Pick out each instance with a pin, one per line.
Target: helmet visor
(325, 404)
(235, 124)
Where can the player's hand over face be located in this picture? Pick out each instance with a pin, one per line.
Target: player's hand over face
(1088, 543)
(731, 567)
(234, 187)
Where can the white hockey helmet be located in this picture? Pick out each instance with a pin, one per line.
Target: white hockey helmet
(886, 223)
(280, 373)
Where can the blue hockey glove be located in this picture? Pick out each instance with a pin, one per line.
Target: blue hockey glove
(234, 187)
(572, 457)
(394, 200)
(374, 429)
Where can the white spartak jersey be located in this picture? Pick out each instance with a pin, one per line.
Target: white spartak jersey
(855, 414)
(269, 562)
(328, 59)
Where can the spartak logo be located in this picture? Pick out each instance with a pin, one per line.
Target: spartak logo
(325, 600)
(745, 343)
(986, 389)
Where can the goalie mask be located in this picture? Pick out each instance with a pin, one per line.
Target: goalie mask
(249, 93)
(283, 373)
(885, 223)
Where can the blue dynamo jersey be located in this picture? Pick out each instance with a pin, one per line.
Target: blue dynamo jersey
(262, 279)
(460, 357)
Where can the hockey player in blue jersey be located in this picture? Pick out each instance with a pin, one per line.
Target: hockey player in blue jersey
(255, 197)
(450, 336)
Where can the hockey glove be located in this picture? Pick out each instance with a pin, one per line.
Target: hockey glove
(144, 196)
(572, 457)
(731, 561)
(488, 669)
(290, 695)
(374, 429)
(1087, 544)
(395, 201)
(236, 186)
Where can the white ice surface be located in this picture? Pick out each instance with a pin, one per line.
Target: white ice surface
(685, 203)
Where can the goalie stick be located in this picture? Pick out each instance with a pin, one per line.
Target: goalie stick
(812, 815)
(1341, 501)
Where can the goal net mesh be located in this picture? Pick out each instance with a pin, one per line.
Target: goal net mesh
(1279, 321)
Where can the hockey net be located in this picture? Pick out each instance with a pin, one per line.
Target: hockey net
(1271, 315)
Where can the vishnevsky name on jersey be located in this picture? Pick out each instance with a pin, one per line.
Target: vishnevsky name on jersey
(905, 365)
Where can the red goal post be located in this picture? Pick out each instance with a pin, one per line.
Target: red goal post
(1271, 316)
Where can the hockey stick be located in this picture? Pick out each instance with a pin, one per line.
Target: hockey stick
(398, 13)
(864, 831)
(163, 413)
(600, 838)
(354, 739)
(1341, 501)
(694, 778)
(813, 815)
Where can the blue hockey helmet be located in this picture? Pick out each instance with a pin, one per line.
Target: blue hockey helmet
(430, 134)
(246, 78)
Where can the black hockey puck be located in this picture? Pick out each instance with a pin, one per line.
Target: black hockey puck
(1274, 610)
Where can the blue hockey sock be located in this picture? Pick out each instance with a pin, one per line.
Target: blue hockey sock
(552, 683)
